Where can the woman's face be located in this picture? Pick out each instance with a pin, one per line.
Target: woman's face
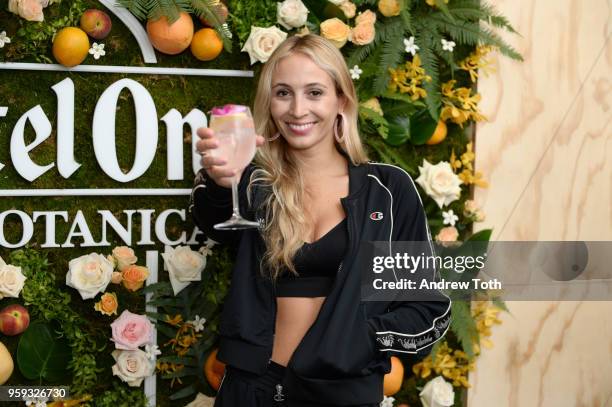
(304, 103)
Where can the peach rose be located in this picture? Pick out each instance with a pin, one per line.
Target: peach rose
(448, 234)
(134, 277)
(472, 211)
(389, 8)
(335, 31)
(348, 9)
(116, 278)
(108, 304)
(124, 257)
(367, 17)
(31, 10)
(362, 34)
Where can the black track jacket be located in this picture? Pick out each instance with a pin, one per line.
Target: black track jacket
(344, 355)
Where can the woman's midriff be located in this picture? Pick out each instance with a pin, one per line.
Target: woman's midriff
(294, 316)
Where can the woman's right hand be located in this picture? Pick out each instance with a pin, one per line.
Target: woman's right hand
(213, 164)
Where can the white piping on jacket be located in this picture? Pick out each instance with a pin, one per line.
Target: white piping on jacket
(433, 253)
(391, 212)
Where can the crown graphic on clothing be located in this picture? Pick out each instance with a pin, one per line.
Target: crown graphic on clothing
(386, 340)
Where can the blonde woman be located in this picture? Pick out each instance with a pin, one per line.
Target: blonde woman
(294, 329)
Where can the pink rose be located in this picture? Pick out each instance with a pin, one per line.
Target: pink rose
(131, 331)
(228, 109)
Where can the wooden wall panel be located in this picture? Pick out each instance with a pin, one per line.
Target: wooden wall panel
(547, 153)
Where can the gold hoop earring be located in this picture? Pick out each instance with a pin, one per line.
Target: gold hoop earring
(340, 122)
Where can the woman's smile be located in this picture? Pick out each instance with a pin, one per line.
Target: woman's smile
(301, 129)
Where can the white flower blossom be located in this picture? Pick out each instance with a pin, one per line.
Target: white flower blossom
(449, 217)
(437, 393)
(411, 47)
(448, 45)
(198, 323)
(439, 182)
(355, 72)
(387, 402)
(206, 250)
(37, 402)
(4, 39)
(152, 351)
(228, 31)
(97, 50)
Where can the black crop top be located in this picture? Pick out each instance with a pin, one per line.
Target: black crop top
(317, 264)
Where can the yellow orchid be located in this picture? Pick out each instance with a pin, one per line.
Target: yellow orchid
(459, 104)
(476, 61)
(409, 79)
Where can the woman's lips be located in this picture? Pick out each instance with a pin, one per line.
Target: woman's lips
(301, 129)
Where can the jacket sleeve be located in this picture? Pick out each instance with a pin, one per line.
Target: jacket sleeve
(411, 326)
(211, 204)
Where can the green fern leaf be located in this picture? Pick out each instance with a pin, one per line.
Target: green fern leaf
(391, 56)
(464, 326)
(207, 9)
(430, 63)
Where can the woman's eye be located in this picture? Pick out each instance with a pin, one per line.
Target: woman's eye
(282, 93)
(316, 93)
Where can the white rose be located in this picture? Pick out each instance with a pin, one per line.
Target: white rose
(262, 42)
(13, 6)
(201, 401)
(184, 266)
(437, 393)
(439, 182)
(291, 14)
(132, 366)
(11, 280)
(124, 257)
(89, 274)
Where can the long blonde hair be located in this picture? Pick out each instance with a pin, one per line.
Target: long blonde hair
(286, 223)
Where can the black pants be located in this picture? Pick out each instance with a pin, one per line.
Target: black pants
(240, 388)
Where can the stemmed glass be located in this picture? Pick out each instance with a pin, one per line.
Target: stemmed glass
(234, 128)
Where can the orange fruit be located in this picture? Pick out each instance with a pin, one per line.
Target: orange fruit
(206, 44)
(439, 134)
(171, 39)
(214, 370)
(70, 46)
(393, 380)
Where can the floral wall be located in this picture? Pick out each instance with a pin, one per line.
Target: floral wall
(415, 65)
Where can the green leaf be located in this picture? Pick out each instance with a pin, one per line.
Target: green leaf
(422, 126)
(498, 302)
(399, 130)
(187, 391)
(42, 355)
(481, 236)
(464, 326)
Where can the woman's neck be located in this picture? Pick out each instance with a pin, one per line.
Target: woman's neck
(320, 163)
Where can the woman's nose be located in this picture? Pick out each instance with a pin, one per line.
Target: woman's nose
(298, 106)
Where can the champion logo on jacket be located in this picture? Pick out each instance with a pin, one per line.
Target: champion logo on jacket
(376, 215)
